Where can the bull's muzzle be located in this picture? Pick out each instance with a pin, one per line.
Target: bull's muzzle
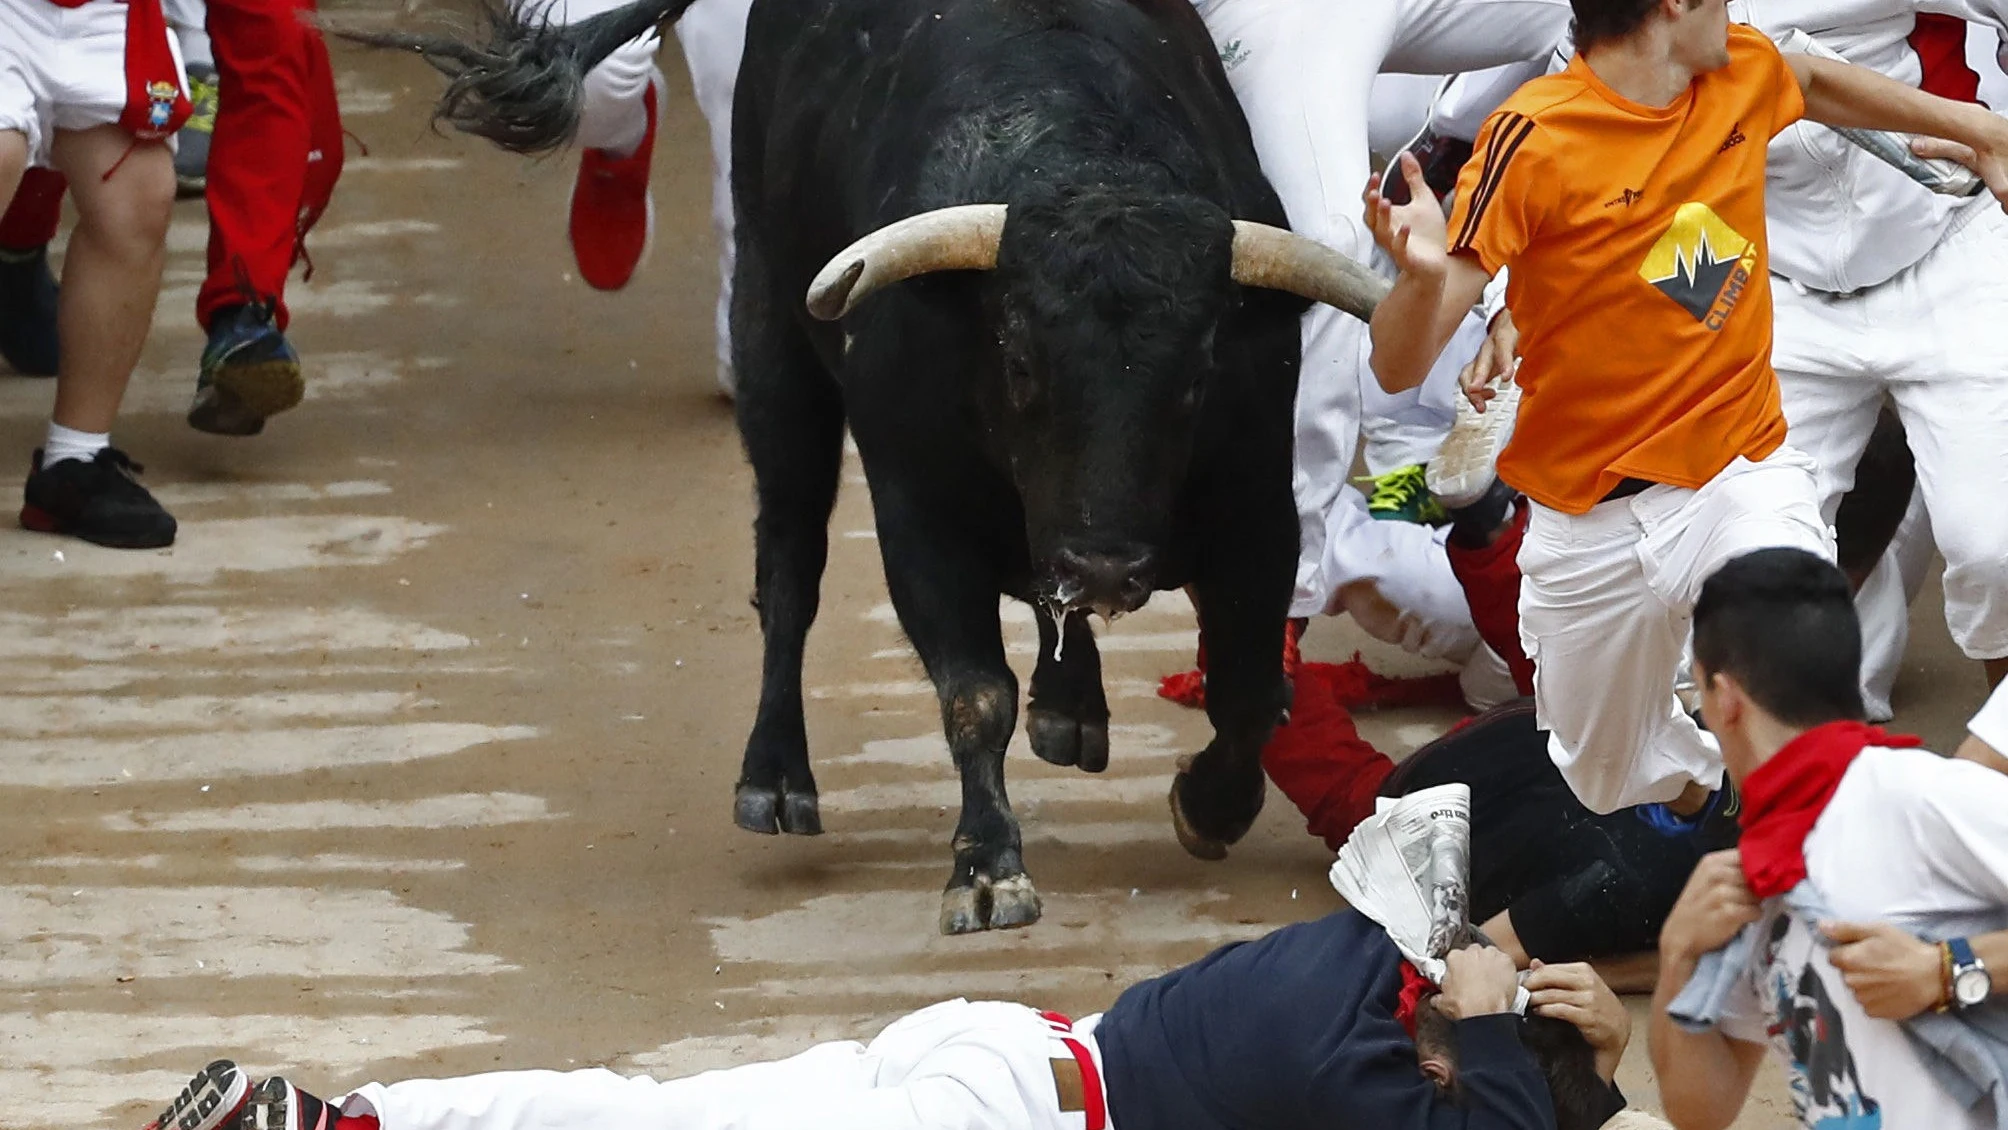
(1111, 582)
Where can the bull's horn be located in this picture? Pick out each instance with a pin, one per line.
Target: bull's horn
(961, 238)
(1270, 257)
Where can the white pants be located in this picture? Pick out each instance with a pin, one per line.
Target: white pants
(954, 1066)
(615, 115)
(1605, 602)
(1303, 71)
(63, 69)
(1934, 339)
(1884, 607)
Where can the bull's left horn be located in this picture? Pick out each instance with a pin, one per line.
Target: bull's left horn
(1270, 257)
(960, 238)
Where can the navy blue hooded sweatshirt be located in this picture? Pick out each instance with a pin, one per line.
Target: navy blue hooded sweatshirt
(1296, 1031)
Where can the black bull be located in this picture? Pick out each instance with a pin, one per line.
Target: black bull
(1085, 392)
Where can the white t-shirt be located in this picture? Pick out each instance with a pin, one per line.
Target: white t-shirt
(1991, 724)
(1909, 837)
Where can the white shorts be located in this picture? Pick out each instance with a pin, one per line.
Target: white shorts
(1934, 341)
(1605, 603)
(62, 69)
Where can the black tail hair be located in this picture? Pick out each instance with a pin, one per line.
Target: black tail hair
(523, 87)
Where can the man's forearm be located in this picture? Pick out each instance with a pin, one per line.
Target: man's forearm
(1842, 94)
(1702, 1079)
(1405, 342)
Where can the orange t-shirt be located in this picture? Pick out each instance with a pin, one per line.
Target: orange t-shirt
(1640, 280)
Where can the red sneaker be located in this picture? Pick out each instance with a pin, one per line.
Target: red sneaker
(613, 215)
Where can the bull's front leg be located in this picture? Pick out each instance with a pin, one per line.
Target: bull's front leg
(1245, 570)
(946, 597)
(1068, 718)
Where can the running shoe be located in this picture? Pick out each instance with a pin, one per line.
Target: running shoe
(191, 142)
(1467, 463)
(1402, 495)
(212, 1100)
(99, 500)
(28, 311)
(249, 372)
(278, 1105)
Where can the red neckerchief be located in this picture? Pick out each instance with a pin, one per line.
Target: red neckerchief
(1414, 987)
(1783, 799)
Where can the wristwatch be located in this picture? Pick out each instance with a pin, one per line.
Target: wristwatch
(1971, 983)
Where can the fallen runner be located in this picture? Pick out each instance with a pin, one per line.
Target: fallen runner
(1315, 1025)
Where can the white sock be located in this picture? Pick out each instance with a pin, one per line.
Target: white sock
(69, 443)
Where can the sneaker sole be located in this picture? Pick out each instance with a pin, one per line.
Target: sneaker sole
(266, 388)
(211, 1100)
(1468, 460)
(40, 521)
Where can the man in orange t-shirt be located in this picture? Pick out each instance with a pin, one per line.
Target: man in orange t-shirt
(1626, 194)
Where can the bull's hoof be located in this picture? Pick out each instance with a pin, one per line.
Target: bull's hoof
(985, 905)
(1196, 845)
(1060, 740)
(754, 809)
(770, 812)
(800, 815)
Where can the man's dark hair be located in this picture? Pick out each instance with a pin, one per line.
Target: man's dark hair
(1582, 1100)
(1601, 21)
(1782, 623)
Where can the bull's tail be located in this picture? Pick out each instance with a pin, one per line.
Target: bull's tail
(523, 88)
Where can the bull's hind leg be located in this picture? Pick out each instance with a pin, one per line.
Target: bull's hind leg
(791, 420)
(1068, 717)
(946, 596)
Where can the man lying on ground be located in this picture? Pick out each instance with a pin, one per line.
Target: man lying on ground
(1316, 1026)
(1895, 841)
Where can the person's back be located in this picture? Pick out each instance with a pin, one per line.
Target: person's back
(1296, 1029)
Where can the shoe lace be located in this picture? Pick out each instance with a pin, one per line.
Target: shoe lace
(112, 459)
(1397, 489)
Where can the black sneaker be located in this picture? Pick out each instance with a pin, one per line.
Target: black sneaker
(99, 500)
(211, 1101)
(249, 372)
(278, 1105)
(1713, 828)
(28, 311)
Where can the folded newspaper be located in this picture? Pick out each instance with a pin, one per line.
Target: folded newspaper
(1408, 867)
(1948, 178)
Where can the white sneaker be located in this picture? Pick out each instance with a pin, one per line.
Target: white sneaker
(1467, 463)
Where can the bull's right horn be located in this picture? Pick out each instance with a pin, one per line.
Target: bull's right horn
(960, 238)
(1268, 256)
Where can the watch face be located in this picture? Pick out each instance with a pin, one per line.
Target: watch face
(1972, 987)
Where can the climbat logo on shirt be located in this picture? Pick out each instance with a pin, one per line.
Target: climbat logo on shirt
(1702, 263)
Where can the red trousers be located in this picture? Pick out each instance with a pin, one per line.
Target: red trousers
(273, 160)
(1320, 761)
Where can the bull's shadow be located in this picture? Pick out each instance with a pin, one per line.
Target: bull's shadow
(1054, 300)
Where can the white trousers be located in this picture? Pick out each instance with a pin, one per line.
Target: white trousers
(1884, 607)
(1934, 340)
(954, 1066)
(1303, 71)
(615, 115)
(1605, 603)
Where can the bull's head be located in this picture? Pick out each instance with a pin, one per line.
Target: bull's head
(1105, 311)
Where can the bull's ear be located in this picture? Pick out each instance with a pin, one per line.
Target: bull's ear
(960, 238)
(1271, 257)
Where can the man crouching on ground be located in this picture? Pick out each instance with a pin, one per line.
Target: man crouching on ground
(1317, 1026)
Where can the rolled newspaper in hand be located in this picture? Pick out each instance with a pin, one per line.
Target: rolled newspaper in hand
(1947, 178)
(1408, 867)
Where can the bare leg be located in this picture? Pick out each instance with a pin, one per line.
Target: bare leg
(13, 161)
(111, 274)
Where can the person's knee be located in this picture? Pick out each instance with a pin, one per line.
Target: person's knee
(130, 211)
(1976, 586)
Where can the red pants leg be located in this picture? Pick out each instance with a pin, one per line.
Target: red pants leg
(276, 152)
(1323, 765)
(1490, 578)
(35, 212)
